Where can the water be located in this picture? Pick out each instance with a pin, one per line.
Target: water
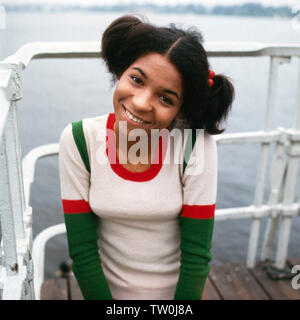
(56, 92)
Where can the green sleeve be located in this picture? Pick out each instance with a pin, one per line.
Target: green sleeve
(196, 237)
(82, 240)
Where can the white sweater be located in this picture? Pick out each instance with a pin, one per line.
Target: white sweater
(139, 237)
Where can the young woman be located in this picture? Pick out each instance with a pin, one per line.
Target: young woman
(141, 228)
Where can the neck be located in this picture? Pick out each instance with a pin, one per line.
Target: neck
(141, 150)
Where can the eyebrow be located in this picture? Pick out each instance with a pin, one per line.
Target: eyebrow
(164, 90)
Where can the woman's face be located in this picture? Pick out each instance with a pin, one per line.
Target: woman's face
(151, 91)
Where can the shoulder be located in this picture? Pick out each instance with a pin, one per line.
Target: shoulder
(205, 146)
(66, 135)
(91, 128)
(95, 123)
(203, 158)
(210, 152)
(95, 128)
(210, 145)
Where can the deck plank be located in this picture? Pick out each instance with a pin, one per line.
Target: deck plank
(209, 292)
(235, 282)
(224, 282)
(54, 289)
(276, 289)
(75, 293)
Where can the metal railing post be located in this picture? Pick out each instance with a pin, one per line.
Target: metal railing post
(265, 147)
(6, 213)
(277, 177)
(38, 253)
(15, 216)
(14, 159)
(288, 212)
(260, 183)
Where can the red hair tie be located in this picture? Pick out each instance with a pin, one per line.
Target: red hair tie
(211, 75)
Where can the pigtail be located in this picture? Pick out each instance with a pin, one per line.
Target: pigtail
(114, 41)
(219, 102)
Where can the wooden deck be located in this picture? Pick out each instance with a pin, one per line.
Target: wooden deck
(225, 282)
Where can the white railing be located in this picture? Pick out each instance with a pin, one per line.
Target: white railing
(17, 175)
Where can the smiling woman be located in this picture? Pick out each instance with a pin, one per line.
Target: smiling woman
(144, 230)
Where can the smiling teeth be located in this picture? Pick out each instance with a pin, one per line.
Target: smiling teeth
(133, 118)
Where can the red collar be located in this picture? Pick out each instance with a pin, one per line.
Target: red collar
(147, 175)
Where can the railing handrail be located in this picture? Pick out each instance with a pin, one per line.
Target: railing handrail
(91, 49)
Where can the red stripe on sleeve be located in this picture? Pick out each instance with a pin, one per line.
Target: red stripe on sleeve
(198, 211)
(75, 206)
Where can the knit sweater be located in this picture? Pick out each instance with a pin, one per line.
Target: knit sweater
(136, 235)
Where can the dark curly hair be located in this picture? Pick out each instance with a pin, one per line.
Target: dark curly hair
(129, 37)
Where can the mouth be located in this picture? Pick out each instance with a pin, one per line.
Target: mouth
(131, 118)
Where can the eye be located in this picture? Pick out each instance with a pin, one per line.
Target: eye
(136, 79)
(166, 99)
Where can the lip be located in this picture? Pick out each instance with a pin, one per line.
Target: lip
(146, 123)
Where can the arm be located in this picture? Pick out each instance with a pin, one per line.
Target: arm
(81, 222)
(196, 225)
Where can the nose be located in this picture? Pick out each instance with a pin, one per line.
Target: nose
(142, 101)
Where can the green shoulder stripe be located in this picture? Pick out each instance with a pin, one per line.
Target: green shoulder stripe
(78, 135)
(188, 151)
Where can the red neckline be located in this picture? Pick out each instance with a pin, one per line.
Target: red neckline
(147, 175)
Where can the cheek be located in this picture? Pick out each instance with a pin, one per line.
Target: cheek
(122, 88)
(119, 93)
(115, 97)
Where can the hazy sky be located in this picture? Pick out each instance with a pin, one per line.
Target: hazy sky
(204, 2)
